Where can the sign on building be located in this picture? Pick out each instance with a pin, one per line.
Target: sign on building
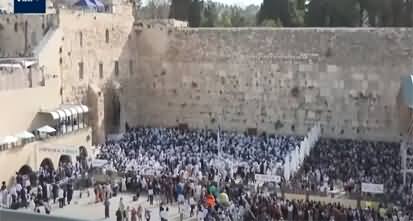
(372, 188)
(267, 178)
(60, 150)
(29, 6)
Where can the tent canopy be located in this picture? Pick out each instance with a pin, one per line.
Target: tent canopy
(85, 4)
(98, 4)
(46, 129)
(24, 135)
(8, 140)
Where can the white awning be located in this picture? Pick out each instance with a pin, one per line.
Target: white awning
(62, 114)
(84, 108)
(24, 135)
(54, 114)
(67, 112)
(8, 140)
(78, 109)
(73, 110)
(46, 129)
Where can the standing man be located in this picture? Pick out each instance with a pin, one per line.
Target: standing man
(107, 204)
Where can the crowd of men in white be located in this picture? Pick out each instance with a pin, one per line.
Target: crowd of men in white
(174, 162)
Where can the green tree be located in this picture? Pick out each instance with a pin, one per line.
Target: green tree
(194, 14)
(210, 15)
(180, 9)
(271, 23)
(237, 20)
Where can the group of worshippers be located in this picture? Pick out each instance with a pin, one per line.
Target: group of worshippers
(42, 188)
(345, 164)
(180, 165)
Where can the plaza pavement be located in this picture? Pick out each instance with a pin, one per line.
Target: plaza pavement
(86, 208)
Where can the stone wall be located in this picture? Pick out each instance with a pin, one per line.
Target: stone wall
(19, 34)
(276, 80)
(19, 78)
(96, 43)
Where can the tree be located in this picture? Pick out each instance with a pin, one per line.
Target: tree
(271, 23)
(276, 9)
(180, 9)
(155, 9)
(210, 15)
(194, 14)
(237, 20)
(333, 13)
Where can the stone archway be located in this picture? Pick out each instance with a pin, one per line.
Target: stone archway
(47, 163)
(25, 170)
(65, 159)
(26, 173)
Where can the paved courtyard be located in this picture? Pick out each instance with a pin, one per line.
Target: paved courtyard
(86, 208)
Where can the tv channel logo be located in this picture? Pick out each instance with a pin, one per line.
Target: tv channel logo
(29, 6)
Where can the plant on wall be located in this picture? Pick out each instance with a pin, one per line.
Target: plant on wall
(278, 125)
(295, 91)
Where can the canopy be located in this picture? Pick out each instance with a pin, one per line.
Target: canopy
(24, 135)
(98, 4)
(46, 129)
(8, 140)
(85, 4)
(67, 110)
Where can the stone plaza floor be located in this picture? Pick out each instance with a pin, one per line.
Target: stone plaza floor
(86, 208)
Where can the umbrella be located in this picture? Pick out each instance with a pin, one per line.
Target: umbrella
(223, 199)
(46, 129)
(210, 201)
(24, 135)
(8, 140)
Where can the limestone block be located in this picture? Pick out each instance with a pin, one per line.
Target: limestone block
(332, 68)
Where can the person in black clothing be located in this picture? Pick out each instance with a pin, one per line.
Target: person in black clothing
(69, 193)
(55, 191)
(107, 204)
(119, 214)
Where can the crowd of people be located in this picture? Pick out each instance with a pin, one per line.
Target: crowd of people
(348, 163)
(36, 190)
(211, 175)
(163, 159)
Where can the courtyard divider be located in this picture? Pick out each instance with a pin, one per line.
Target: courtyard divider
(294, 160)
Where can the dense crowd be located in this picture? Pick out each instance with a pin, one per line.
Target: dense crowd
(345, 164)
(211, 175)
(170, 151)
(38, 189)
(164, 159)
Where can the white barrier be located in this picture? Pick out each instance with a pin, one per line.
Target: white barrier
(294, 160)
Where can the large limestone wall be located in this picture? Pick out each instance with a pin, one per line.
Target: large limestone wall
(98, 41)
(277, 80)
(19, 34)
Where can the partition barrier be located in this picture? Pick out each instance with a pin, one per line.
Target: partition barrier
(294, 160)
